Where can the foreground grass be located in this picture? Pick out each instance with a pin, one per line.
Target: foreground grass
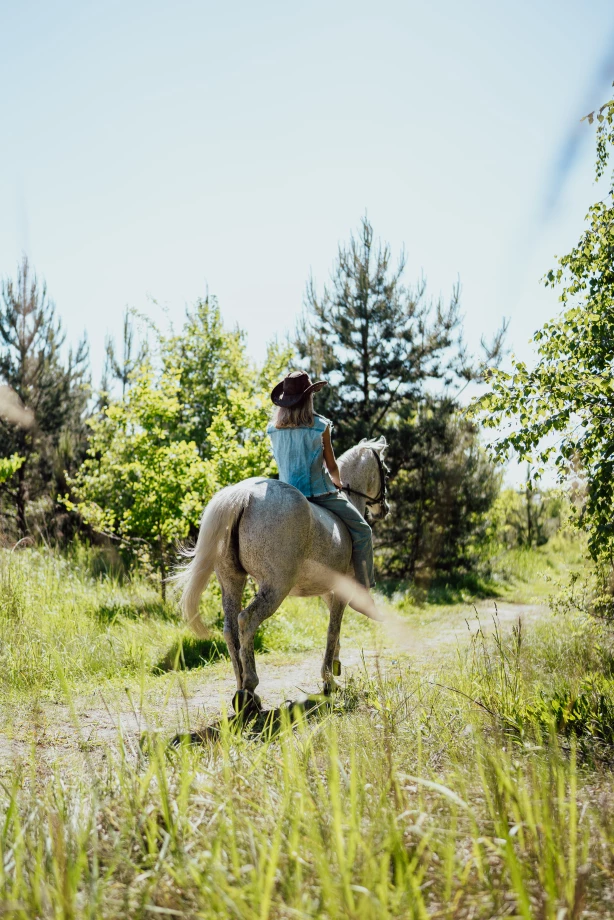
(414, 797)
(480, 789)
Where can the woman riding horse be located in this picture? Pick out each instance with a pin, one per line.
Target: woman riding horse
(283, 534)
(305, 458)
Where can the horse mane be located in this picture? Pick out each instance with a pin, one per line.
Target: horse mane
(379, 445)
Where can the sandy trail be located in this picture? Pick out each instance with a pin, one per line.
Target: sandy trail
(426, 642)
(59, 732)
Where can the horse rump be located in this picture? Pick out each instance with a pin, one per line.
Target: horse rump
(216, 526)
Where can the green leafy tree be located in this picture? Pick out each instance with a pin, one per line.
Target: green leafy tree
(138, 482)
(211, 364)
(236, 440)
(562, 409)
(528, 516)
(9, 466)
(145, 481)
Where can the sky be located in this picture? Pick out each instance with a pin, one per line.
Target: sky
(155, 151)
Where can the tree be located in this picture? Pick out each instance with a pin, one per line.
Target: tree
(528, 516)
(132, 356)
(396, 362)
(236, 440)
(211, 362)
(54, 390)
(441, 495)
(374, 339)
(145, 481)
(9, 466)
(563, 407)
(138, 483)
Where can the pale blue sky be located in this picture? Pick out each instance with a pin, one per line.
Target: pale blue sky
(153, 149)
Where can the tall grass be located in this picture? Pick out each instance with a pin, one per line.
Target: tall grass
(50, 610)
(439, 794)
(523, 575)
(104, 625)
(403, 802)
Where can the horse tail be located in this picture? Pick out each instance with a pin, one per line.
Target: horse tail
(216, 526)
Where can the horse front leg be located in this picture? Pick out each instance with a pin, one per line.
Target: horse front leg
(331, 666)
(336, 659)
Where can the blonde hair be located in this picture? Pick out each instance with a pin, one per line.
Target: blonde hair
(299, 416)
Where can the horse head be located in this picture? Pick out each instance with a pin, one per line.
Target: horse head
(364, 476)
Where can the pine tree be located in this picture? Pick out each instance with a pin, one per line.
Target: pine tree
(395, 361)
(53, 389)
(374, 339)
(121, 367)
(441, 494)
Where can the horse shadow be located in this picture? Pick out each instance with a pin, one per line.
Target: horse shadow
(190, 652)
(255, 723)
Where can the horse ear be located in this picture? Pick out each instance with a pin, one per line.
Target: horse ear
(363, 440)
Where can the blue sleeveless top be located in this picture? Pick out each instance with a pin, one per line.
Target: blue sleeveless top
(299, 454)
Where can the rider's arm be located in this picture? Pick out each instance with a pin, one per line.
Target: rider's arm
(329, 458)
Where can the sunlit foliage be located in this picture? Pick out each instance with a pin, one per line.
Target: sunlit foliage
(563, 407)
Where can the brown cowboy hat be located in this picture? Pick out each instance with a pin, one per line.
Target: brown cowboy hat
(294, 388)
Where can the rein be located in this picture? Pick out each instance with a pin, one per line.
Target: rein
(383, 487)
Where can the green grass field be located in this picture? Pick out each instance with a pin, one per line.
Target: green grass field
(103, 626)
(477, 786)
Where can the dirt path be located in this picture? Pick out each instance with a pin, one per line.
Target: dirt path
(427, 641)
(194, 699)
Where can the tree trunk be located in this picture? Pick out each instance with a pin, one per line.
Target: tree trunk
(529, 493)
(162, 573)
(21, 500)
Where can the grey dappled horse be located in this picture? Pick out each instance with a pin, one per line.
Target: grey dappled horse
(269, 530)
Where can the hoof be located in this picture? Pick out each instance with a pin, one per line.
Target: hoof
(330, 687)
(336, 668)
(246, 704)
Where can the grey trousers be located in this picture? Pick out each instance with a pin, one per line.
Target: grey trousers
(360, 532)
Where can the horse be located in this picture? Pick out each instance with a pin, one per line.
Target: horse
(269, 530)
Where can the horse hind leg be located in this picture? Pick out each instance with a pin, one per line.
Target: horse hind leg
(331, 666)
(336, 660)
(233, 585)
(263, 606)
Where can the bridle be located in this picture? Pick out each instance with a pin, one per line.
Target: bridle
(383, 484)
